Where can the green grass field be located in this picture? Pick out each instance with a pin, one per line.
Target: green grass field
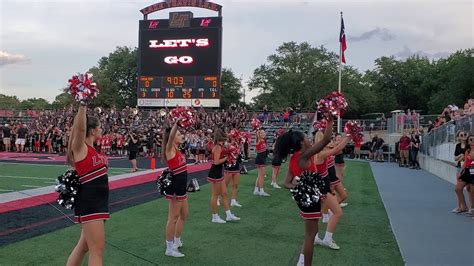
(14, 176)
(270, 232)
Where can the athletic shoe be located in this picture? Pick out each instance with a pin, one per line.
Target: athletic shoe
(234, 203)
(232, 218)
(331, 244)
(174, 253)
(218, 220)
(177, 245)
(300, 260)
(318, 241)
(275, 185)
(256, 192)
(263, 193)
(343, 204)
(457, 210)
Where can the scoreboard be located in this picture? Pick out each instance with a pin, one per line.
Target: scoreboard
(180, 61)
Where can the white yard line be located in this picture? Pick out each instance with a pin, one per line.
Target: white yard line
(30, 186)
(6, 190)
(26, 177)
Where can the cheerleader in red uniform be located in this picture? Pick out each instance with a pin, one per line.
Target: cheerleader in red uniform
(176, 192)
(466, 175)
(232, 173)
(92, 202)
(297, 143)
(216, 178)
(325, 164)
(260, 162)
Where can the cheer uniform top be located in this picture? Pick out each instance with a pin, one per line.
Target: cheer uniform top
(216, 174)
(261, 158)
(92, 202)
(468, 174)
(312, 212)
(177, 189)
(332, 171)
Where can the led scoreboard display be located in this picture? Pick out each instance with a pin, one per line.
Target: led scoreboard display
(180, 61)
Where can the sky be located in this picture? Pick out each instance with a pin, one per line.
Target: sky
(43, 43)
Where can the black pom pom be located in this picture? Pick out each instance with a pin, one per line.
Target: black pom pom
(68, 187)
(164, 181)
(308, 192)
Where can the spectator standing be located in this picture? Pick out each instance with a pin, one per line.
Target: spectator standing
(21, 138)
(7, 137)
(404, 147)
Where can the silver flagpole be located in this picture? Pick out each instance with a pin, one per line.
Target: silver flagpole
(339, 122)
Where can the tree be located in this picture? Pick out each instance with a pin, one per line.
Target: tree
(9, 102)
(116, 76)
(231, 88)
(62, 100)
(34, 103)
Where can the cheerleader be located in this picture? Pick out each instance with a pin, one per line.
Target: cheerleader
(232, 173)
(176, 193)
(303, 151)
(325, 167)
(260, 161)
(216, 178)
(466, 175)
(92, 203)
(339, 159)
(276, 165)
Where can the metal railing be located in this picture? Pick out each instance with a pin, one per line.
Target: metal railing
(446, 133)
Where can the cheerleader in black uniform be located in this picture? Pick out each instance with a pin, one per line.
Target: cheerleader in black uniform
(276, 165)
(297, 143)
(232, 173)
(176, 193)
(216, 178)
(260, 162)
(92, 202)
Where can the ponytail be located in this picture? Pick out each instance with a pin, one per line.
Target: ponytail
(288, 143)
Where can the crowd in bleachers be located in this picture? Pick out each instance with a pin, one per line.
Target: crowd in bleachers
(452, 113)
(48, 131)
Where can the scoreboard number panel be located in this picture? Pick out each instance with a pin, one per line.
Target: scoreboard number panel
(180, 65)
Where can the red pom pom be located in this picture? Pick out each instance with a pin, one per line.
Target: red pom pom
(235, 135)
(256, 124)
(183, 115)
(82, 88)
(333, 104)
(232, 152)
(320, 124)
(354, 130)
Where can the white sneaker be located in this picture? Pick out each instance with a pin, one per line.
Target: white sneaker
(235, 204)
(455, 210)
(218, 220)
(231, 218)
(264, 194)
(318, 241)
(177, 245)
(256, 192)
(331, 244)
(300, 260)
(343, 204)
(275, 185)
(174, 253)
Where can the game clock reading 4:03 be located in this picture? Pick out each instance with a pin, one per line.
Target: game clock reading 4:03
(179, 87)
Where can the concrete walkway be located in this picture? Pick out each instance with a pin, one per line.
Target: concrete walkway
(419, 207)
